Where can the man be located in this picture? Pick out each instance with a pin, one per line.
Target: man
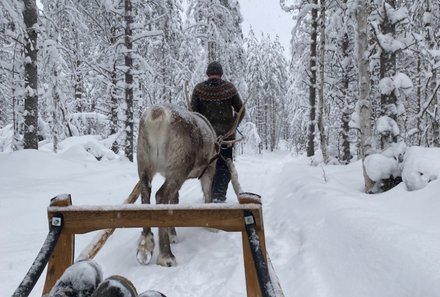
(218, 100)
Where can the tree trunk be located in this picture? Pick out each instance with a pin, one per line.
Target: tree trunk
(364, 88)
(78, 87)
(56, 105)
(114, 108)
(212, 48)
(30, 15)
(114, 102)
(321, 126)
(312, 83)
(419, 100)
(129, 140)
(346, 113)
(388, 69)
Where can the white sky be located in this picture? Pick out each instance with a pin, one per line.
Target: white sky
(267, 16)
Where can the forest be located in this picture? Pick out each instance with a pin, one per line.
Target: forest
(359, 80)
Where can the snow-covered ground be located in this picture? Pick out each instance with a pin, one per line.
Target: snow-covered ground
(324, 236)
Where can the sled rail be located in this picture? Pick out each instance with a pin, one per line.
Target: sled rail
(83, 219)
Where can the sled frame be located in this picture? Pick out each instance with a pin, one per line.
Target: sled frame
(84, 219)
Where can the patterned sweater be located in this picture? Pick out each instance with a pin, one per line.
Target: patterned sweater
(218, 101)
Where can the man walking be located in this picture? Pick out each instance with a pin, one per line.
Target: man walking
(218, 100)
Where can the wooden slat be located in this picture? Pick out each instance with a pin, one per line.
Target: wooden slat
(80, 220)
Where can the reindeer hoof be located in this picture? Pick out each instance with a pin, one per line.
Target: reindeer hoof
(166, 260)
(145, 248)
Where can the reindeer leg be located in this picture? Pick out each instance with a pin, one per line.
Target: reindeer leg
(146, 240)
(168, 193)
(206, 182)
(172, 230)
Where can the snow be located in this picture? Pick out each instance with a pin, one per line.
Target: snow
(385, 124)
(419, 168)
(325, 237)
(380, 167)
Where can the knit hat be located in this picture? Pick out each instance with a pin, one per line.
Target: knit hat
(214, 68)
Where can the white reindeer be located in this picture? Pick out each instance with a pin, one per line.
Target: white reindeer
(178, 144)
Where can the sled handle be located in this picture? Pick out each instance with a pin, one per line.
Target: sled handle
(37, 267)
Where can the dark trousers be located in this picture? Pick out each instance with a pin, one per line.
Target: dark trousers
(222, 175)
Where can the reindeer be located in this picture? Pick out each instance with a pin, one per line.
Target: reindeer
(178, 144)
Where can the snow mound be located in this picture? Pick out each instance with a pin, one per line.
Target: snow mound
(419, 168)
(86, 148)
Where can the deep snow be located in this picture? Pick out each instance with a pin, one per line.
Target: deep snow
(324, 236)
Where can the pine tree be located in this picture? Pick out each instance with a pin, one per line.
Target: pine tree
(322, 50)
(266, 75)
(30, 16)
(305, 13)
(313, 79)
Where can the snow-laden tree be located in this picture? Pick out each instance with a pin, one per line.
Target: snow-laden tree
(255, 78)
(163, 80)
(12, 70)
(30, 133)
(425, 25)
(391, 84)
(53, 93)
(266, 75)
(18, 33)
(305, 15)
(385, 20)
(322, 104)
(364, 103)
(341, 77)
(217, 26)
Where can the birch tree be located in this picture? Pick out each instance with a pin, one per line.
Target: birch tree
(364, 103)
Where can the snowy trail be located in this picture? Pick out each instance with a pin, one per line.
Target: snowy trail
(324, 236)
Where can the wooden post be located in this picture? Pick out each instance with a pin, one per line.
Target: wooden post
(63, 254)
(252, 283)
